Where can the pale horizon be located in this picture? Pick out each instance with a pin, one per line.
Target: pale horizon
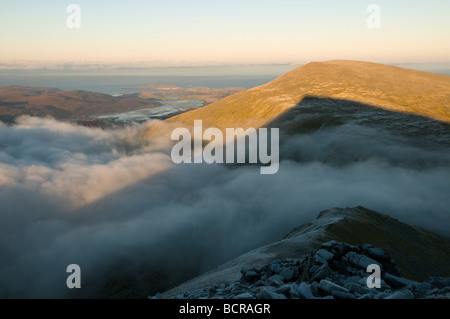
(213, 33)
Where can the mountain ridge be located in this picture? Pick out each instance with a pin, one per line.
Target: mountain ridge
(389, 87)
(418, 253)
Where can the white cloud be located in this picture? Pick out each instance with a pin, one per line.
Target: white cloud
(113, 201)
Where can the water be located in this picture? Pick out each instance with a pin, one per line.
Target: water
(122, 81)
(166, 110)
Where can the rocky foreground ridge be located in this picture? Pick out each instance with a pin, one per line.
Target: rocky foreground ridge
(414, 262)
(335, 271)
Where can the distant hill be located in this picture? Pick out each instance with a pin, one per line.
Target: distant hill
(388, 87)
(68, 105)
(172, 92)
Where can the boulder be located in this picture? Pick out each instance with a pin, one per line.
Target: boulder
(304, 291)
(329, 286)
(324, 254)
(353, 287)
(267, 293)
(359, 261)
(323, 272)
(342, 295)
(401, 294)
(287, 274)
(245, 295)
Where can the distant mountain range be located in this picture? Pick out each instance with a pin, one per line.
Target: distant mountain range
(79, 105)
(65, 105)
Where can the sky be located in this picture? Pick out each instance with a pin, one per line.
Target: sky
(202, 32)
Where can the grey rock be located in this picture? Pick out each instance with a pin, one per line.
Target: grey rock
(445, 281)
(329, 244)
(353, 280)
(383, 284)
(196, 293)
(381, 295)
(314, 268)
(397, 282)
(446, 289)
(257, 284)
(227, 289)
(378, 253)
(267, 293)
(353, 287)
(434, 291)
(340, 249)
(337, 271)
(363, 281)
(238, 285)
(342, 295)
(440, 282)
(321, 273)
(304, 291)
(359, 260)
(275, 268)
(285, 289)
(423, 287)
(296, 262)
(293, 294)
(338, 279)
(352, 270)
(401, 294)
(315, 288)
(325, 254)
(237, 291)
(250, 275)
(319, 260)
(329, 286)
(287, 274)
(157, 296)
(245, 295)
(276, 280)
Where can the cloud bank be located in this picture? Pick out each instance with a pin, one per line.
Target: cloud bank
(115, 204)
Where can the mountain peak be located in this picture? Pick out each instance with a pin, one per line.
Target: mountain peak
(382, 86)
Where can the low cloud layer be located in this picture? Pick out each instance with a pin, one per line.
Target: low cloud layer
(114, 203)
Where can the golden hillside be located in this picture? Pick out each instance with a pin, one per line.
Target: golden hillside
(388, 87)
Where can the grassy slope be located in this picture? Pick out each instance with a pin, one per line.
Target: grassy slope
(388, 87)
(418, 253)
